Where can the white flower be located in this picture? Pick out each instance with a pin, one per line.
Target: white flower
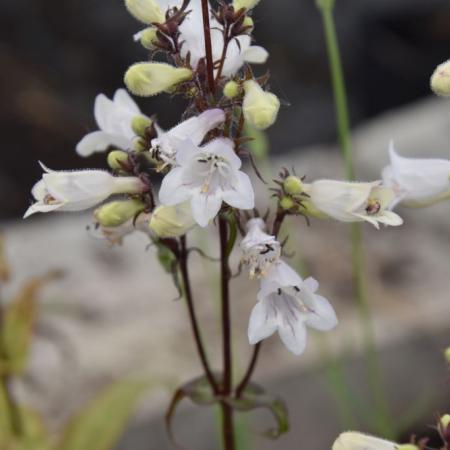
(191, 34)
(207, 176)
(165, 144)
(78, 190)
(351, 440)
(172, 221)
(352, 201)
(114, 118)
(260, 250)
(417, 181)
(288, 304)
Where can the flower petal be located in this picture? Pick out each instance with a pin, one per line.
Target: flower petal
(205, 206)
(242, 196)
(255, 55)
(293, 334)
(172, 190)
(224, 147)
(103, 109)
(351, 440)
(99, 141)
(323, 318)
(262, 322)
(123, 99)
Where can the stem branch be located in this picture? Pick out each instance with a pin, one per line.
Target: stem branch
(208, 46)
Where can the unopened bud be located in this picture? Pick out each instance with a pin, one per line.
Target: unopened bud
(260, 107)
(445, 421)
(146, 11)
(140, 145)
(116, 213)
(247, 4)
(287, 203)
(440, 80)
(248, 22)
(139, 124)
(172, 221)
(447, 354)
(231, 89)
(147, 38)
(148, 79)
(117, 159)
(292, 185)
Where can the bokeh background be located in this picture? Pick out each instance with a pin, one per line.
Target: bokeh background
(55, 56)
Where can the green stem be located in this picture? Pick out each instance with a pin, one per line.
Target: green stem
(384, 424)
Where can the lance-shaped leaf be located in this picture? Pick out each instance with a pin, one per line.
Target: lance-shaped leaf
(255, 397)
(100, 424)
(18, 322)
(198, 391)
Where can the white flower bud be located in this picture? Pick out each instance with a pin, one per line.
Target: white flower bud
(172, 221)
(146, 11)
(247, 4)
(116, 158)
(260, 107)
(293, 185)
(139, 124)
(231, 89)
(148, 79)
(147, 38)
(116, 213)
(440, 80)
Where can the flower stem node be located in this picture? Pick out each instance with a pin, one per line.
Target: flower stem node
(247, 4)
(447, 354)
(293, 185)
(116, 213)
(287, 203)
(172, 221)
(231, 89)
(117, 159)
(146, 11)
(139, 124)
(260, 107)
(440, 80)
(148, 37)
(148, 79)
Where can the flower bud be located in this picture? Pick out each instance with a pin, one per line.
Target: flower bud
(260, 107)
(140, 145)
(139, 124)
(146, 11)
(445, 421)
(231, 89)
(147, 38)
(447, 354)
(247, 4)
(407, 447)
(292, 185)
(287, 203)
(172, 221)
(116, 213)
(440, 80)
(148, 79)
(248, 22)
(116, 159)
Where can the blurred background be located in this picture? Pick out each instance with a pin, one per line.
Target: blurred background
(113, 313)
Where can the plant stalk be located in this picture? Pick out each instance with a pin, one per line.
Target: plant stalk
(208, 46)
(193, 317)
(343, 127)
(227, 383)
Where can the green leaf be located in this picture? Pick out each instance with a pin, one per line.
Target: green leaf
(100, 424)
(198, 391)
(255, 397)
(18, 322)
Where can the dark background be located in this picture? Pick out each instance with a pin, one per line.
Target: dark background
(56, 55)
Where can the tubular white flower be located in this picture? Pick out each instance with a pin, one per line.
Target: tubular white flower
(260, 107)
(191, 34)
(114, 118)
(352, 440)
(146, 11)
(288, 304)
(78, 190)
(172, 221)
(352, 201)
(417, 181)
(260, 250)
(195, 128)
(150, 78)
(207, 176)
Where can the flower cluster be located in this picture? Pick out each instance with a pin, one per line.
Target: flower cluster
(201, 161)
